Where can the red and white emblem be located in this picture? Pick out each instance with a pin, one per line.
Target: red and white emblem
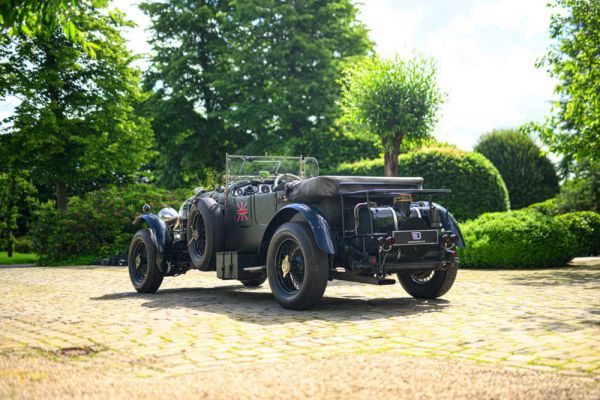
(241, 212)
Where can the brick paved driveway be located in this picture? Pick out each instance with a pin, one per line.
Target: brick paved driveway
(539, 320)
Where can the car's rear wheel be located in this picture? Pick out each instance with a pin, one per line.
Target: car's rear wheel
(297, 268)
(205, 233)
(145, 275)
(428, 284)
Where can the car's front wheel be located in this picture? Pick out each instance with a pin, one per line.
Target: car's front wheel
(145, 275)
(297, 268)
(428, 284)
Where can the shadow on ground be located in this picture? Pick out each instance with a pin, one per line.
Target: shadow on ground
(260, 307)
(570, 276)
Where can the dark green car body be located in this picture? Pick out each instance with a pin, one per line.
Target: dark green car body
(324, 227)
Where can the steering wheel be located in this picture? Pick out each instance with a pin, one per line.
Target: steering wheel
(283, 176)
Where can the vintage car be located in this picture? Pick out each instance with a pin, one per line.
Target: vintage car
(276, 218)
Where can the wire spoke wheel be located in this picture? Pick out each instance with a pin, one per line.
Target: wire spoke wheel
(198, 239)
(422, 278)
(140, 269)
(290, 266)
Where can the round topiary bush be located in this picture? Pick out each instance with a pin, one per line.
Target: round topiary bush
(476, 184)
(585, 226)
(522, 239)
(529, 175)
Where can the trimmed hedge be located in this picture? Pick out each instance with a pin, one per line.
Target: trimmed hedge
(521, 239)
(585, 226)
(476, 184)
(529, 175)
(547, 207)
(96, 225)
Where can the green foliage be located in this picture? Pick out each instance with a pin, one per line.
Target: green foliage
(31, 17)
(585, 227)
(96, 225)
(582, 191)
(23, 245)
(516, 239)
(574, 126)
(529, 176)
(392, 99)
(16, 198)
(476, 185)
(250, 77)
(76, 121)
(546, 207)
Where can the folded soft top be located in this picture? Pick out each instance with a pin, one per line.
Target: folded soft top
(315, 189)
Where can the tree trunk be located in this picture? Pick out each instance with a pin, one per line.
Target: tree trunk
(390, 156)
(9, 243)
(61, 196)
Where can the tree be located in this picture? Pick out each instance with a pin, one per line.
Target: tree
(190, 49)
(286, 59)
(76, 122)
(529, 176)
(574, 59)
(250, 76)
(395, 100)
(16, 192)
(31, 17)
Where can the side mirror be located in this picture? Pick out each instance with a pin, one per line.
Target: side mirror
(199, 190)
(146, 208)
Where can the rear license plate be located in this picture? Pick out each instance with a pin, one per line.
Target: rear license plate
(411, 238)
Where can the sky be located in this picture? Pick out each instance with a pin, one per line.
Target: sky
(485, 52)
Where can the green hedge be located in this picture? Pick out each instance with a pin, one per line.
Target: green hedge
(525, 238)
(529, 175)
(476, 184)
(585, 226)
(97, 224)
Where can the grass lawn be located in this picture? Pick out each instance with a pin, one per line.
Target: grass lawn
(17, 258)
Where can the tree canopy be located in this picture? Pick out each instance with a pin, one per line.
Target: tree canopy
(75, 123)
(574, 59)
(249, 76)
(394, 99)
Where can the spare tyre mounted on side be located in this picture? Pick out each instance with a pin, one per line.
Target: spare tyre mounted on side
(205, 233)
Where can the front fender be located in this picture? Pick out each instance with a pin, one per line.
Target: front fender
(160, 233)
(318, 224)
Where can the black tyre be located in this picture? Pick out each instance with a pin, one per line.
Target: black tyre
(428, 284)
(297, 268)
(144, 271)
(205, 233)
(254, 282)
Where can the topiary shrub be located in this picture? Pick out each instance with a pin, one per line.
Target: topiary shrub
(516, 239)
(97, 224)
(585, 226)
(548, 207)
(476, 185)
(529, 175)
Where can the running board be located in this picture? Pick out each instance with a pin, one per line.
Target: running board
(344, 276)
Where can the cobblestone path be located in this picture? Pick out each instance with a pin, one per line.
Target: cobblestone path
(540, 320)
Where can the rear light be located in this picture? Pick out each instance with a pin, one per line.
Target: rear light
(373, 260)
(391, 241)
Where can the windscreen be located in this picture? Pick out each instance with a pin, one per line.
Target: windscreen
(265, 167)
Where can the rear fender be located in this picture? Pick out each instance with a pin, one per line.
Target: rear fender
(450, 224)
(318, 224)
(160, 233)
